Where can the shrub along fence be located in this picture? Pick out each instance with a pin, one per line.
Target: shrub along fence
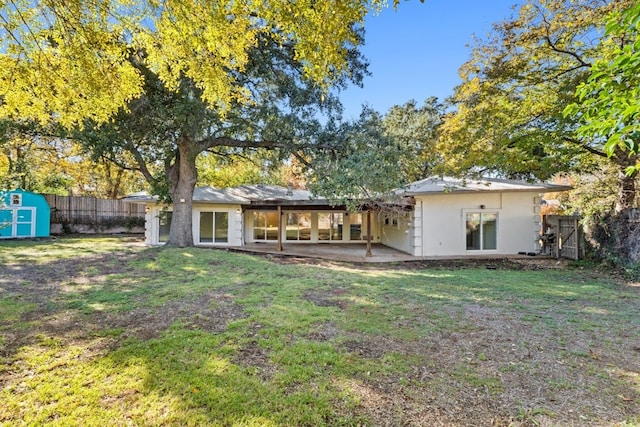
(82, 214)
(616, 237)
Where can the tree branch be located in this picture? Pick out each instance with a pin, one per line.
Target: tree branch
(585, 146)
(224, 141)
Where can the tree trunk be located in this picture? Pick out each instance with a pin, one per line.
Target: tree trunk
(626, 191)
(626, 182)
(182, 176)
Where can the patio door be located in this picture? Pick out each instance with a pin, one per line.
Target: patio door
(214, 227)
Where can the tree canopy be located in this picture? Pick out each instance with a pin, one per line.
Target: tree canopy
(69, 61)
(509, 117)
(164, 81)
(609, 101)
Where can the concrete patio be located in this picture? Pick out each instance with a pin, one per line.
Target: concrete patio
(353, 252)
(334, 252)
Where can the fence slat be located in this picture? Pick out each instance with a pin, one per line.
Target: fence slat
(90, 210)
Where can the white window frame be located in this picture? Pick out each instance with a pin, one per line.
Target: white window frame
(213, 224)
(481, 213)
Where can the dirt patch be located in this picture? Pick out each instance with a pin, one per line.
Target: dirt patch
(326, 298)
(254, 357)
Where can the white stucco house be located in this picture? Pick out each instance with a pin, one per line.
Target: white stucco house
(438, 217)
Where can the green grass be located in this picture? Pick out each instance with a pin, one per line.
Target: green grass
(124, 334)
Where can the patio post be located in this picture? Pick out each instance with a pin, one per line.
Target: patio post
(279, 247)
(368, 233)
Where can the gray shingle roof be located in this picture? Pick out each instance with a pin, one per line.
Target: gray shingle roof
(458, 185)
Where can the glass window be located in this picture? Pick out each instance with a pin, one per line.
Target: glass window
(164, 226)
(265, 225)
(298, 226)
(222, 227)
(330, 226)
(355, 226)
(482, 231)
(214, 227)
(206, 227)
(16, 200)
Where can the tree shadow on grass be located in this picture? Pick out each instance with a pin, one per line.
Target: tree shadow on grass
(167, 348)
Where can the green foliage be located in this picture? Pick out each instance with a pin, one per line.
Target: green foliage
(609, 101)
(510, 109)
(357, 162)
(415, 130)
(71, 62)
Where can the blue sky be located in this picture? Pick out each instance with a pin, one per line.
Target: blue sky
(415, 51)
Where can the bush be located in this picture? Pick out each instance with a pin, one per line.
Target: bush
(615, 239)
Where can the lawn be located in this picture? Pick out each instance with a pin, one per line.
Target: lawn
(106, 331)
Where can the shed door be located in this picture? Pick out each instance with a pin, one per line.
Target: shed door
(18, 222)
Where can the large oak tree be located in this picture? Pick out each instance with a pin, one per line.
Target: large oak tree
(171, 79)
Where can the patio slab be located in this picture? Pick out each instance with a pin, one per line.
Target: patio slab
(352, 253)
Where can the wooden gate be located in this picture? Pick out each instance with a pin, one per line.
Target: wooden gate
(568, 238)
(562, 236)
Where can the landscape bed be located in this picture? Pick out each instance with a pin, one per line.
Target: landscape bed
(107, 331)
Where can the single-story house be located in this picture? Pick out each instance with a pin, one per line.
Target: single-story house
(23, 214)
(437, 217)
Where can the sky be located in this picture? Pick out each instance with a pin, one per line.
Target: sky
(415, 52)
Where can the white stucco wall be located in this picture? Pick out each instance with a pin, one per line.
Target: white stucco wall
(443, 216)
(234, 231)
(235, 223)
(398, 236)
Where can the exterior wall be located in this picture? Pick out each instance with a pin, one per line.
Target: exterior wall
(29, 216)
(347, 217)
(396, 230)
(234, 237)
(443, 226)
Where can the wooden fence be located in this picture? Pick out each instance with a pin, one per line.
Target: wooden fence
(90, 210)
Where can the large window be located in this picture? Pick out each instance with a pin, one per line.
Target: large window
(298, 226)
(482, 231)
(330, 226)
(214, 227)
(265, 225)
(355, 227)
(164, 224)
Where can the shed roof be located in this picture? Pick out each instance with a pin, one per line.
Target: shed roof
(458, 185)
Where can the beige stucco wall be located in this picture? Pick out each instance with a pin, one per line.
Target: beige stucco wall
(440, 223)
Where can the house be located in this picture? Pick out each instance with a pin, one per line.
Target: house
(23, 214)
(436, 217)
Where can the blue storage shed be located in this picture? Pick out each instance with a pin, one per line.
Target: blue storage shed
(23, 214)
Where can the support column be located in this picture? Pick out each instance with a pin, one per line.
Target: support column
(279, 247)
(368, 233)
